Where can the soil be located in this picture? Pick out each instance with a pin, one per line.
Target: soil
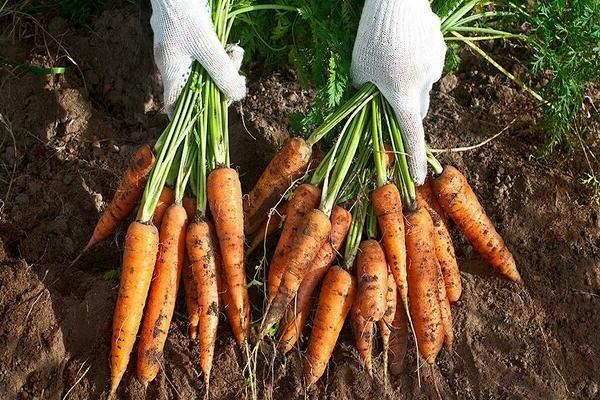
(66, 139)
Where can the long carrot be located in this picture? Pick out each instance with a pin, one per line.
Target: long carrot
(423, 284)
(305, 198)
(362, 328)
(371, 274)
(167, 197)
(398, 340)
(289, 164)
(445, 312)
(312, 233)
(127, 195)
(225, 202)
(202, 251)
(163, 293)
(458, 200)
(139, 257)
(191, 297)
(426, 192)
(297, 311)
(335, 301)
(444, 251)
(385, 324)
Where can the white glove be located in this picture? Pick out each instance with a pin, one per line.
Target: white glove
(184, 32)
(399, 47)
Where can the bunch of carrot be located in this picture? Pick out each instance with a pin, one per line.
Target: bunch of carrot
(399, 268)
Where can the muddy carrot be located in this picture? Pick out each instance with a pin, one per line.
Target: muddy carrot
(460, 202)
(225, 202)
(139, 256)
(362, 328)
(127, 195)
(385, 324)
(445, 312)
(305, 198)
(189, 204)
(423, 284)
(288, 165)
(335, 301)
(191, 297)
(167, 197)
(371, 275)
(426, 192)
(298, 310)
(398, 340)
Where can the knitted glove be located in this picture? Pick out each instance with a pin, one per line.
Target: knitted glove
(184, 32)
(399, 47)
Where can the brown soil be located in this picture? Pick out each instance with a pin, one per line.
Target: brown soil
(65, 141)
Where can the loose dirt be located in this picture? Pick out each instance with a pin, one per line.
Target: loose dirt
(66, 139)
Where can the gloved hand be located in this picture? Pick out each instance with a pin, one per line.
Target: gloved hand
(184, 32)
(399, 47)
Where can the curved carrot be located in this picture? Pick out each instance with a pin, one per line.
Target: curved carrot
(306, 197)
(398, 341)
(387, 206)
(297, 311)
(191, 297)
(166, 198)
(139, 255)
(444, 251)
(202, 250)
(426, 192)
(363, 334)
(458, 200)
(335, 301)
(163, 293)
(225, 202)
(312, 233)
(371, 275)
(287, 165)
(128, 193)
(385, 324)
(423, 284)
(268, 227)
(445, 312)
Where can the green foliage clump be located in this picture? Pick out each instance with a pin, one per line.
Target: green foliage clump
(74, 10)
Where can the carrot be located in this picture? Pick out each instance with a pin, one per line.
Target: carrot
(127, 195)
(444, 251)
(167, 197)
(240, 333)
(297, 311)
(423, 284)
(163, 293)
(287, 165)
(191, 297)
(387, 206)
(363, 334)
(189, 203)
(457, 198)
(445, 312)
(312, 233)
(398, 341)
(385, 324)
(202, 250)
(306, 197)
(426, 191)
(371, 273)
(335, 301)
(225, 202)
(139, 256)
(268, 227)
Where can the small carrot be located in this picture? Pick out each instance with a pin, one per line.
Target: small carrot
(289, 164)
(423, 284)
(163, 293)
(387, 206)
(127, 195)
(312, 233)
(297, 311)
(385, 324)
(371, 275)
(167, 197)
(268, 227)
(191, 297)
(225, 202)
(202, 250)
(306, 197)
(444, 251)
(398, 340)
(426, 192)
(335, 301)
(189, 203)
(457, 198)
(445, 312)
(363, 335)
(139, 256)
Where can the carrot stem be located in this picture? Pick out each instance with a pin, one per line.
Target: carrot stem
(377, 140)
(434, 163)
(359, 213)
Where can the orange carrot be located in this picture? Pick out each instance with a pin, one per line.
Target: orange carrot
(457, 198)
(385, 324)
(191, 297)
(128, 193)
(335, 301)
(287, 165)
(189, 204)
(297, 311)
(426, 191)
(225, 202)
(423, 284)
(446, 315)
(163, 293)
(312, 233)
(371, 275)
(139, 255)
(387, 206)
(398, 340)
(167, 197)
(202, 250)
(268, 227)
(363, 334)
(306, 197)
(444, 251)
